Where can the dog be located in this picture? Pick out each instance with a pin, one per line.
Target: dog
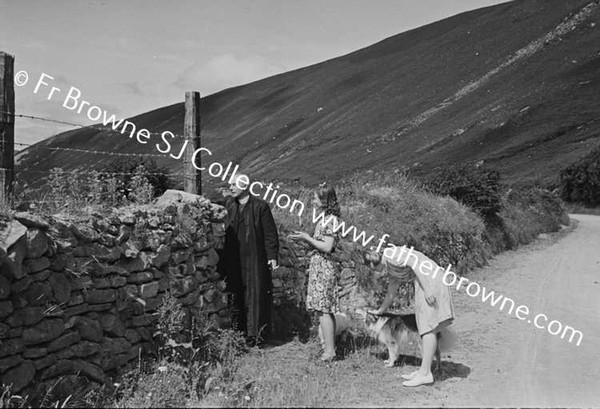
(398, 331)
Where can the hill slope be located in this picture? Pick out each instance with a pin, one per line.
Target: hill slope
(516, 85)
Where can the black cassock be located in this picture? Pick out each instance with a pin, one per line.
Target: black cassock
(251, 240)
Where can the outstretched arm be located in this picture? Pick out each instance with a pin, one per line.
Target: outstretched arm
(325, 245)
(391, 291)
(389, 297)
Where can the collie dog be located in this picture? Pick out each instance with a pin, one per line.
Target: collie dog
(399, 331)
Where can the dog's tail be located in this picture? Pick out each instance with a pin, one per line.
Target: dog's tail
(447, 339)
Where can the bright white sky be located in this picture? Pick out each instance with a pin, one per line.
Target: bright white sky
(132, 56)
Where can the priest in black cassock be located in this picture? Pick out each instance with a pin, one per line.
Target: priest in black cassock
(250, 254)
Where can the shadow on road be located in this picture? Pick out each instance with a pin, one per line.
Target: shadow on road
(449, 369)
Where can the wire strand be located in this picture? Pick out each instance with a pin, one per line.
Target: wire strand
(78, 172)
(100, 152)
(105, 128)
(90, 151)
(97, 152)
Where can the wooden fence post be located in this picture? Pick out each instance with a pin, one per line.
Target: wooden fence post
(192, 182)
(7, 126)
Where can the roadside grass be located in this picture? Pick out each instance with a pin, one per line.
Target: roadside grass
(291, 375)
(441, 227)
(527, 213)
(394, 204)
(163, 384)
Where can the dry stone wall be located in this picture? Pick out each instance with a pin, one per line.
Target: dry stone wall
(80, 295)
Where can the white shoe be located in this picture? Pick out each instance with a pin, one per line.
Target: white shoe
(410, 375)
(419, 380)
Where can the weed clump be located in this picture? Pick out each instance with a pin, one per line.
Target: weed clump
(580, 181)
(527, 212)
(119, 184)
(194, 355)
(472, 186)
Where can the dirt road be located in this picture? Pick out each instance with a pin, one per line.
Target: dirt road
(517, 364)
(499, 361)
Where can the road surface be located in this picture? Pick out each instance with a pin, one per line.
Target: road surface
(515, 364)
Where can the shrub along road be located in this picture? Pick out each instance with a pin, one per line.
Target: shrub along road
(499, 360)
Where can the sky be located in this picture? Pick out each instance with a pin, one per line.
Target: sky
(132, 56)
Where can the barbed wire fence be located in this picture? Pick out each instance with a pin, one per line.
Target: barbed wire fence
(87, 151)
(82, 174)
(190, 176)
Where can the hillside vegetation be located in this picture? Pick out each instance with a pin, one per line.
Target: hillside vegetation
(513, 86)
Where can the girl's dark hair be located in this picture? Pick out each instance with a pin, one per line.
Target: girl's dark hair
(328, 198)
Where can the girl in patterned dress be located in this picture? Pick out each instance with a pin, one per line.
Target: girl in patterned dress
(323, 276)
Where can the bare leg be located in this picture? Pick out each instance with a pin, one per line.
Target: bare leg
(429, 348)
(424, 375)
(327, 323)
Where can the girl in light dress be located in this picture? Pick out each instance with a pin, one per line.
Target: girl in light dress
(434, 308)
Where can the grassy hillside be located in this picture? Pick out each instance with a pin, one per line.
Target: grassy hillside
(514, 85)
